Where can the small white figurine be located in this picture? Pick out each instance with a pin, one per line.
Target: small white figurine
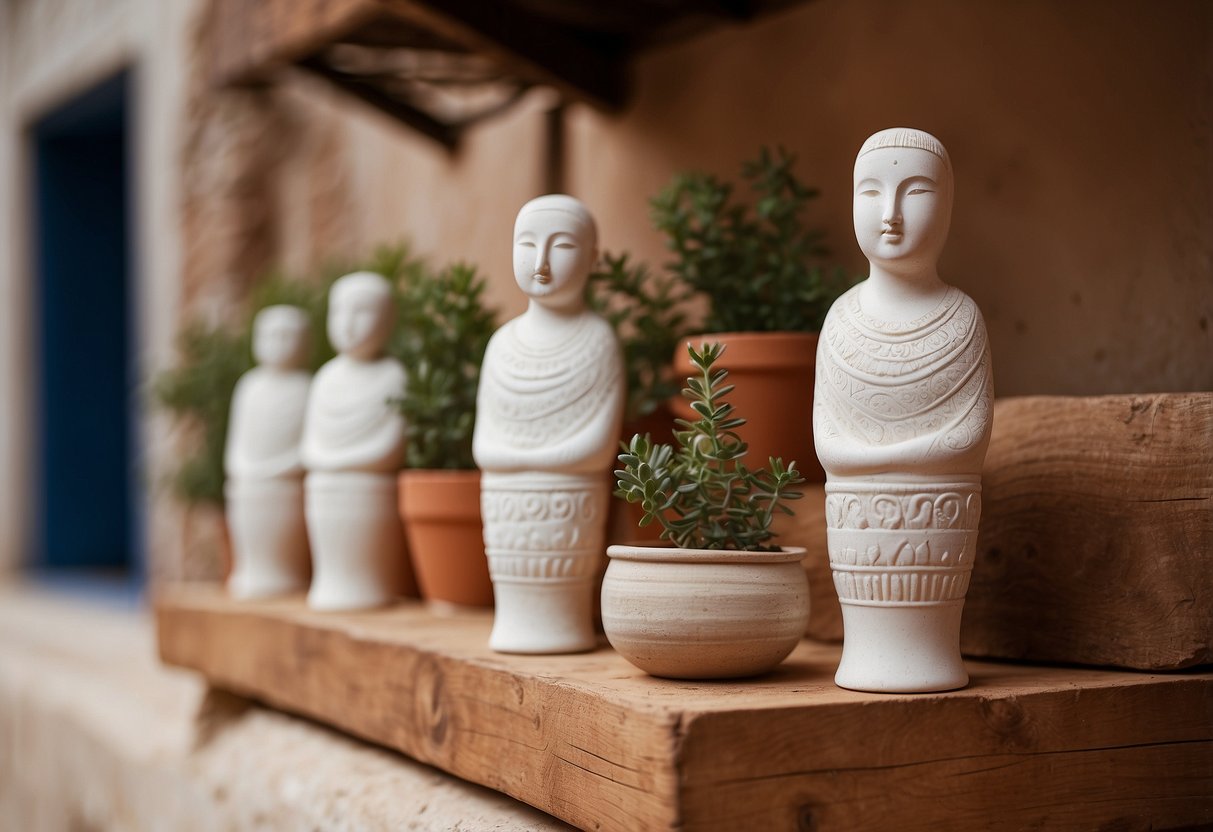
(264, 488)
(549, 411)
(353, 448)
(902, 418)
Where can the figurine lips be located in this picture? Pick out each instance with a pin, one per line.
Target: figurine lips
(542, 277)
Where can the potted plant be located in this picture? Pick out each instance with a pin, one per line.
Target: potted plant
(444, 330)
(758, 266)
(723, 601)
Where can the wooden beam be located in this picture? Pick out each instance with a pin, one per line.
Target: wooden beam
(445, 134)
(1096, 542)
(596, 742)
(524, 45)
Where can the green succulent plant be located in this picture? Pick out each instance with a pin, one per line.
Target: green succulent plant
(758, 266)
(444, 330)
(647, 314)
(211, 359)
(701, 492)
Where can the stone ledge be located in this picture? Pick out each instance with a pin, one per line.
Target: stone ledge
(95, 734)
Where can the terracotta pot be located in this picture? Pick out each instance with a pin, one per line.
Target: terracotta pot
(624, 519)
(704, 613)
(441, 514)
(773, 373)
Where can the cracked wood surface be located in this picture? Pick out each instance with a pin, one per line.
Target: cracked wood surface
(1096, 542)
(596, 742)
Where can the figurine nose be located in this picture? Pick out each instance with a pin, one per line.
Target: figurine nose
(892, 212)
(541, 261)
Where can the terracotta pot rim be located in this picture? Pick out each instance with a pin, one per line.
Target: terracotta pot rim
(756, 350)
(416, 475)
(658, 553)
(751, 335)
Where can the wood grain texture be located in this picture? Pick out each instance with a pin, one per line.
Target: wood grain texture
(1096, 542)
(595, 742)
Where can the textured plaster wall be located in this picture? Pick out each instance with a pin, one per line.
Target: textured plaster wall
(1081, 134)
(382, 182)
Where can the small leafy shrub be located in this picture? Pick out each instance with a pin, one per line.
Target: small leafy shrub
(701, 493)
(443, 332)
(647, 312)
(758, 266)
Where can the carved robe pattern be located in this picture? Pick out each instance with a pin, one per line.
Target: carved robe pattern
(879, 383)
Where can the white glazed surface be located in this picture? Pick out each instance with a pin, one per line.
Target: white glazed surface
(353, 446)
(548, 416)
(902, 416)
(358, 551)
(264, 489)
(269, 537)
(704, 614)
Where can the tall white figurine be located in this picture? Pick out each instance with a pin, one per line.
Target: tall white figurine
(264, 488)
(548, 417)
(353, 448)
(902, 418)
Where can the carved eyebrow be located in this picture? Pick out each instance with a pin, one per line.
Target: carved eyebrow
(920, 178)
(865, 184)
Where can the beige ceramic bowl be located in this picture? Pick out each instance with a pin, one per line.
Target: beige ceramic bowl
(704, 613)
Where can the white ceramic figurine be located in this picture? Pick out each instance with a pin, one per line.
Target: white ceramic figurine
(353, 447)
(264, 488)
(902, 418)
(548, 417)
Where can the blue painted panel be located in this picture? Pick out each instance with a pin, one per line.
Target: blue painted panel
(82, 188)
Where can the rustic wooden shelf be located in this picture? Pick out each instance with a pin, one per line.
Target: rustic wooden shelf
(594, 741)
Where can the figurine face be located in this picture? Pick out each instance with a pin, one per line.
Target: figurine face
(280, 337)
(360, 315)
(553, 255)
(902, 205)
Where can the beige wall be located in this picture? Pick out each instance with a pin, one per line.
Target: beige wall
(1080, 133)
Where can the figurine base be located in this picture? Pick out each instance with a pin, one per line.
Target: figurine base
(269, 539)
(357, 539)
(901, 648)
(543, 618)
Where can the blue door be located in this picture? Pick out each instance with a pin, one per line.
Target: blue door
(87, 393)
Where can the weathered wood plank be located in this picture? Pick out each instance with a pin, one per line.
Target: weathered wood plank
(596, 742)
(1096, 542)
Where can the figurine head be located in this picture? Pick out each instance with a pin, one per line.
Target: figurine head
(902, 199)
(555, 247)
(280, 337)
(361, 314)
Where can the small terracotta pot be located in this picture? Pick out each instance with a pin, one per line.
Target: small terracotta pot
(704, 613)
(441, 514)
(773, 373)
